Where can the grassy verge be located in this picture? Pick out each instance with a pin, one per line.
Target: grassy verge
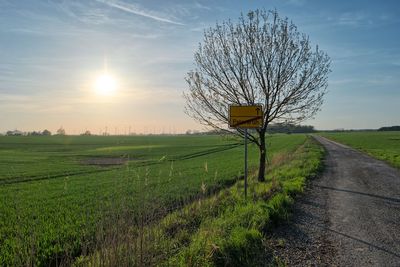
(221, 230)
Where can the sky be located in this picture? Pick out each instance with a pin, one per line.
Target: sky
(52, 52)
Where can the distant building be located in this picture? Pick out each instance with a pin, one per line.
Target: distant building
(15, 133)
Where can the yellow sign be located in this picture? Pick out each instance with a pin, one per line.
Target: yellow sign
(245, 116)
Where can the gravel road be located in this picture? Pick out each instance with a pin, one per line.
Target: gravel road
(349, 216)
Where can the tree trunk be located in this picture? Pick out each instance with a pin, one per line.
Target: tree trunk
(263, 155)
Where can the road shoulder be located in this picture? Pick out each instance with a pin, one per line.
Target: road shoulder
(303, 240)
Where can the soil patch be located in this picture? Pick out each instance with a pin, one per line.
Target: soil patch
(104, 162)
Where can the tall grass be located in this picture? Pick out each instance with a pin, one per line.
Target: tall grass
(217, 229)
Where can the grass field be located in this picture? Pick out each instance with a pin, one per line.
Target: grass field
(223, 229)
(381, 145)
(57, 192)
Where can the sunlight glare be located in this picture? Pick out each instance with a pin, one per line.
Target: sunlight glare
(105, 85)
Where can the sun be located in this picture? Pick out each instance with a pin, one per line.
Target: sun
(105, 85)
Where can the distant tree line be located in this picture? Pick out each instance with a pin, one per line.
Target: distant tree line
(86, 133)
(274, 128)
(390, 128)
(45, 132)
(210, 132)
(14, 133)
(188, 132)
(290, 128)
(33, 133)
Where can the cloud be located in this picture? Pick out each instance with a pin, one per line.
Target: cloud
(37, 103)
(201, 6)
(363, 19)
(296, 2)
(5, 70)
(135, 9)
(339, 82)
(353, 19)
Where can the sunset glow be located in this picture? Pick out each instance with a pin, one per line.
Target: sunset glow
(105, 85)
(106, 62)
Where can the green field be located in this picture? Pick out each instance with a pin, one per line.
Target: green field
(56, 191)
(223, 229)
(381, 145)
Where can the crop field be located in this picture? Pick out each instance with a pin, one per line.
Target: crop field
(57, 193)
(381, 145)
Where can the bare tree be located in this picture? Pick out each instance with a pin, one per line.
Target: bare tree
(61, 131)
(46, 132)
(86, 133)
(261, 59)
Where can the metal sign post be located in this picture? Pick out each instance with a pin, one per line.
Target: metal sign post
(245, 163)
(245, 117)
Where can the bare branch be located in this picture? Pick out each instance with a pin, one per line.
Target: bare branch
(260, 59)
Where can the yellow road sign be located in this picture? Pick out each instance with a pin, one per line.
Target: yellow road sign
(245, 116)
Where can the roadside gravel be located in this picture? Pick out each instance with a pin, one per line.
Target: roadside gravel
(349, 216)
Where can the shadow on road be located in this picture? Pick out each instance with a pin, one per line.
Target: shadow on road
(304, 218)
(360, 193)
(363, 242)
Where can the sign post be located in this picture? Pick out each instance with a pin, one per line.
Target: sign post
(245, 163)
(245, 117)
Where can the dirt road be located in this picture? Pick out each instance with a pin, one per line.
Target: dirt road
(350, 216)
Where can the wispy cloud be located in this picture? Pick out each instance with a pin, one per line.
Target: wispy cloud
(84, 11)
(5, 70)
(296, 2)
(201, 6)
(362, 19)
(354, 19)
(135, 9)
